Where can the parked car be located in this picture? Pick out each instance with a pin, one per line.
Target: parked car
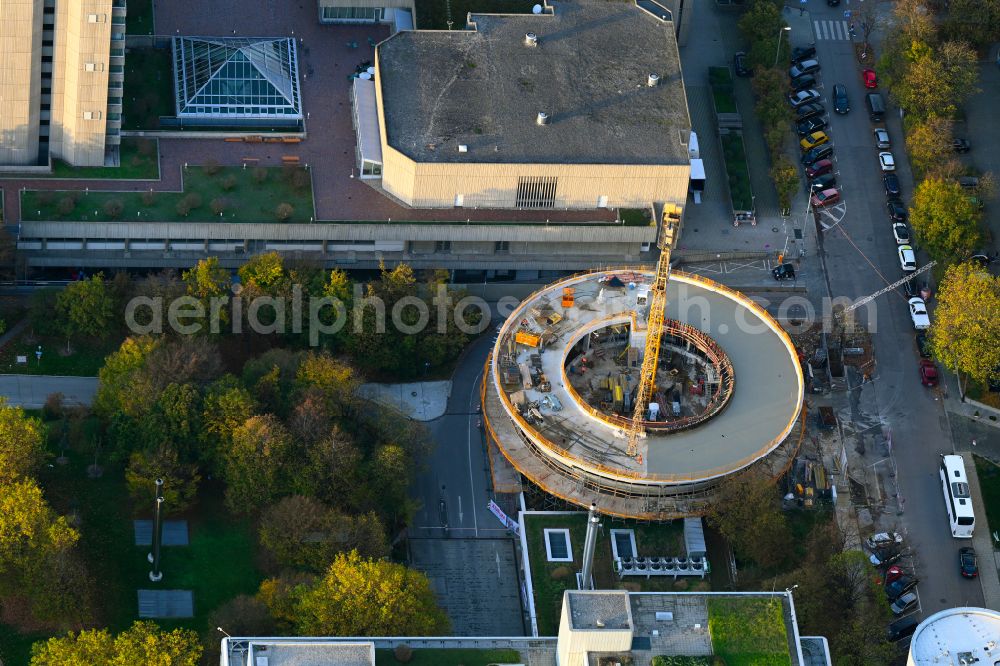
(820, 168)
(809, 110)
(810, 125)
(928, 372)
(893, 573)
(824, 182)
(803, 67)
(841, 104)
(883, 539)
(832, 3)
(803, 82)
(902, 628)
(899, 587)
(826, 197)
(918, 313)
(868, 76)
(897, 211)
(816, 154)
(901, 233)
(882, 138)
(980, 259)
(885, 556)
(783, 272)
(813, 140)
(910, 289)
(961, 145)
(904, 604)
(891, 183)
(968, 563)
(801, 97)
(923, 344)
(968, 182)
(907, 258)
(887, 161)
(740, 64)
(803, 52)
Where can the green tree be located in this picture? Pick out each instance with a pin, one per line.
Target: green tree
(87, 308)
(180, 479)
(22, 443)
(359, 597)
(117, 392)
(973, 21)
(936, 81)
(966, 324)
(263, 274)
(944, 219)
(786, 180)
(335, 381)
(142, 643)
(226, 406)
(928, 143)
(760, 25)
(751, 499)
(259, 465)
(911, 21)
(207, 279)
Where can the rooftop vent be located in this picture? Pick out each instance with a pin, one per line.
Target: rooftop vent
(653, 80)
(543, 118)
(462, 148)
(600, 623)
(531, 39)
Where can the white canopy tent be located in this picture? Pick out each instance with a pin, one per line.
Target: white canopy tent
(369, 149)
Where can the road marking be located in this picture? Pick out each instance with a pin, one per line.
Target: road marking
(461, 518)
(831, 30)
(472, 483)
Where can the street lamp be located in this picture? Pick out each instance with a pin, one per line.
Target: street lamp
(777, 50)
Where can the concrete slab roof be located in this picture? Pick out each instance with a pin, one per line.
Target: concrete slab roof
(483, 88)
(599, 610)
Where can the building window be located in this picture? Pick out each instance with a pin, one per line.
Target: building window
(502, 247)
(352, 14)
(443, 247)
(557, 546)
(536, 192)
(370, 169)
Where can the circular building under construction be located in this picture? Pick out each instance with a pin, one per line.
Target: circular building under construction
(561, 386)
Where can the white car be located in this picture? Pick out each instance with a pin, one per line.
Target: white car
(918, 313)
(907, 258)
(882, 138)
(887, 161)
(901, 233)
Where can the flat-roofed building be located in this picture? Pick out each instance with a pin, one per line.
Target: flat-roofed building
(581, 106)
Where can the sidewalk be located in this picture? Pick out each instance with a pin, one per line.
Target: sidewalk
(421, 401)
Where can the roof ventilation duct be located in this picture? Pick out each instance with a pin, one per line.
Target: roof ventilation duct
(543, 118)
(653, 80)
(531, 39)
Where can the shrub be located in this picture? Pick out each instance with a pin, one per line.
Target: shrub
(284, 211)
(219, 205)
(229, 183)
(148, 198)
(53, 408)
(259, 175)
(67, 204)
(403, 653)
(114, 208)
(212, 167)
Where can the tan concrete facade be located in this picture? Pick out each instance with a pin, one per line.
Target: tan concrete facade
(68, 52)
(20, 80)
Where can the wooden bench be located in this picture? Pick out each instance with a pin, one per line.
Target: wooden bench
(290, 159)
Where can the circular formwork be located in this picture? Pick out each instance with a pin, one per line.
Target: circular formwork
(577, 452)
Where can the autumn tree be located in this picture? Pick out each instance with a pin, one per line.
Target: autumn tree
(22, 443)
(966, 324)
(284, 211)
(180, 479)
(259, 465)
(973, 21)
(226, 406)
(142, 643)
(87, 308)
(911, 21)
(335, 382)
(752, 499)
(944, 219)
(263, 274)
(359, 597)
(786, 180)
(936, 80)
(928, 143)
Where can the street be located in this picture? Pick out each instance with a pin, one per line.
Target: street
(860, 256)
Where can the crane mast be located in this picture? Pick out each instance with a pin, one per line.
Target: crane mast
(654, 327)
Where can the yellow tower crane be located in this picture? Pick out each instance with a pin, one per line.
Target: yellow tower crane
(654, 325)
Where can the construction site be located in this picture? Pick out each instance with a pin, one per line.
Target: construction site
(565, 401)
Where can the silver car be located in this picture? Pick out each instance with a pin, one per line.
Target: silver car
(904, 604)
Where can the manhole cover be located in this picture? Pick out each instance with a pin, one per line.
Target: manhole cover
(413, 393)
(774, 229)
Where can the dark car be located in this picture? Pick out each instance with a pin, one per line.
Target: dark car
(841, 104)
(810, 125)
(807, 66)
(810, 110)
(803, 52)
(803, 82)
(968, 563)
(899, 587)
(741, 65)
(923, 344)
(896, 209)
(832, 3)
(824, 182)
(902, 628)
(816, 154)
(980, 259)
(784, 272)
(891, 183)
(819, 168)
(961, 145)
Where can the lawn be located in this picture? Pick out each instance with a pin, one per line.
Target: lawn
(981, 393)
(989, 484)
(748, 631)
(240, 195)
(724, 100)
(149, 87)
(551, 579)
(139, 161)
(736, 170)
(434, 14)
(636, 217)
(719, 76)
(139, 17)
(446, 657)
(86, 359)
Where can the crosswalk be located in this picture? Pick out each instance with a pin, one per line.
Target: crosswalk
(831, 30)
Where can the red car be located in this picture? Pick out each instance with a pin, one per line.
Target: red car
(869, 77)
(826, 197)
(928, 372)
(820, 168)
(893, 573)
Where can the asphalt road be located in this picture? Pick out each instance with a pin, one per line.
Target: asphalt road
(31, 391)
(861, 258)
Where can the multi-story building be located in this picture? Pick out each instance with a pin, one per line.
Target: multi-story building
(61, 76)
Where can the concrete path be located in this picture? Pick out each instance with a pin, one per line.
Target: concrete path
(421, 401)
(31, 391)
